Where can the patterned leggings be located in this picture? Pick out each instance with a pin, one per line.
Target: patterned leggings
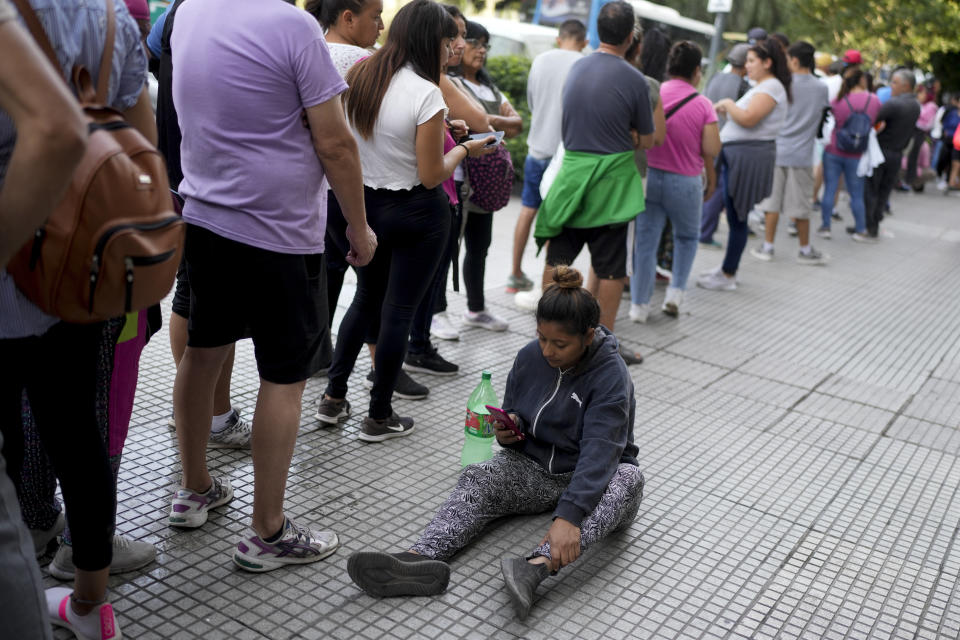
(511, 483)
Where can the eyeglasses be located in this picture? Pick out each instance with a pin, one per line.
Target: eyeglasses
(476, 43)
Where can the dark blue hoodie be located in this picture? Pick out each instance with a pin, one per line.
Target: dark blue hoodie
(578, 420)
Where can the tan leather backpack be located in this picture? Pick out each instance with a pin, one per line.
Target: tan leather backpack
(113, 244)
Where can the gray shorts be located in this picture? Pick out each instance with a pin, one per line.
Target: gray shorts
(791, 194)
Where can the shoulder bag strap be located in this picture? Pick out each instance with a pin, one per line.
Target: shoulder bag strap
(36, 30)
(677, 106)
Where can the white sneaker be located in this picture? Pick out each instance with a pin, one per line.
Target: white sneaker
(189, 509)
(484, 320)
(766, 255)
(639, 312)
(99, 624)
(527, 300)
(672, 301)
(941, 185)
(442, 329)
(865, 238)
(716, 280)
(128, 555)
(236, 435)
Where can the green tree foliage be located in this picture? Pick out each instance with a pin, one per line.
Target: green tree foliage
(510, 73)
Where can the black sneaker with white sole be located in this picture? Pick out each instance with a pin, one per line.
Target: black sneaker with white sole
(333, 411)
(406, 387)
(379, 430)
(429, 362)
(385, 575)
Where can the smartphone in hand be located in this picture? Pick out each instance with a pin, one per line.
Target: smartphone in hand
(504, 418)
(484, 136)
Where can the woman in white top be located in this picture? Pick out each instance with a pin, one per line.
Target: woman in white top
(478, 228)
(749, 151)
(396, 111)
(351, 27)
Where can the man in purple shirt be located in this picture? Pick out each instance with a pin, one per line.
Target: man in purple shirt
(255, 188)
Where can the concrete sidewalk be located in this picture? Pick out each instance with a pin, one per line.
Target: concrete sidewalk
(800, 439)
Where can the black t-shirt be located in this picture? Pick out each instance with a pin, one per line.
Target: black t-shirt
(168, 127)
(603, 99)
(900, 114)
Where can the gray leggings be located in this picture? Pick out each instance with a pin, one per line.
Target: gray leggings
(511, 483)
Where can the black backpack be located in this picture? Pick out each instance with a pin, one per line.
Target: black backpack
(854, 135)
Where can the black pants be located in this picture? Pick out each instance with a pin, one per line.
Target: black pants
(477, 234)
(335, 263)
(420, 331)
(879, 187)
(919, 136)
(411, 228)
(58, 370)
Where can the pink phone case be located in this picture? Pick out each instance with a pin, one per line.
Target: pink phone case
(504, 418)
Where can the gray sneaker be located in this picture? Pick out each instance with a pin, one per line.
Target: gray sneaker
(380, 430)
(762, 254)
(236, 435)
(43, 537)
(522, 579)
(484, 320)
(332, 411)
(812, 258)
(385, 575)
(128, 555)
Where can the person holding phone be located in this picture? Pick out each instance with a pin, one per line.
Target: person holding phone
(396, 111)
(572, 398)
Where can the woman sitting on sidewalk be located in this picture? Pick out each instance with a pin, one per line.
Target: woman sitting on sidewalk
(576, 456)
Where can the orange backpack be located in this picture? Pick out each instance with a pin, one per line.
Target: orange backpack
(114, 243)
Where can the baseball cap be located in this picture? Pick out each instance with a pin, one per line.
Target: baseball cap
(852, 56)
(738, 54)
(823, 60)
(757, 33)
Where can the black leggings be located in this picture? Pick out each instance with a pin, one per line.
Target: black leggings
(58, 370)
(411, 228)
(477, 234)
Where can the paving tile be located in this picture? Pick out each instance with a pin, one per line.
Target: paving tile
(798, 438)
(846, 412)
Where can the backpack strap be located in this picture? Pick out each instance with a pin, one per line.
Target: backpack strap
(850, 106)
(677, 106)
(106, 59)
(36, 30)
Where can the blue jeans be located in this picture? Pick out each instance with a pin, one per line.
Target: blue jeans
(679, 198)
(833, 166)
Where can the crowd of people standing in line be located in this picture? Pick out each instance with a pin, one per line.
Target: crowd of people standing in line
(344, 157)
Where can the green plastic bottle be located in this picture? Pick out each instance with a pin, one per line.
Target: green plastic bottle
(478, 429)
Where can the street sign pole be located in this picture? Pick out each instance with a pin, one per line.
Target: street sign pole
(715, 43)
(721, 8)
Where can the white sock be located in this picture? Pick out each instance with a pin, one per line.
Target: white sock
(767, 246)
(806, 249)
(99, 623)
(221, 421)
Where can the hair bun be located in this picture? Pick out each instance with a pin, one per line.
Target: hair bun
(566, 277)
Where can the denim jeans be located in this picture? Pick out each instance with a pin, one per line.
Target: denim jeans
(833, 166)
(678, 198)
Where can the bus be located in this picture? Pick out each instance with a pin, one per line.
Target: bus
(651, 14)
